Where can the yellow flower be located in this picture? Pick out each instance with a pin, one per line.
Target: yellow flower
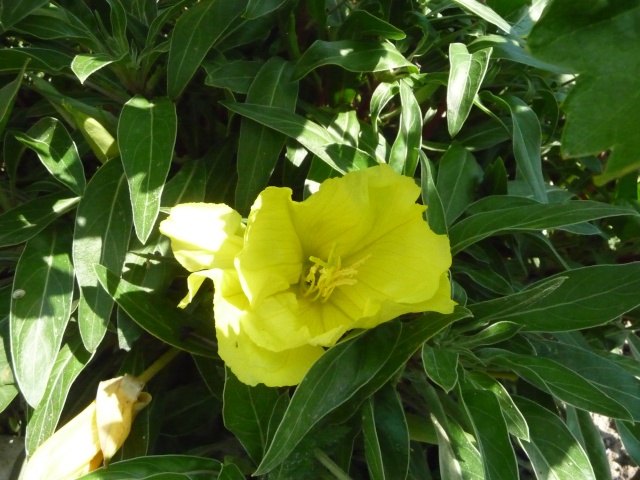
(93, 436)
(353, 255)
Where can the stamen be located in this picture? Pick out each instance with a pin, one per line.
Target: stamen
(323, 277)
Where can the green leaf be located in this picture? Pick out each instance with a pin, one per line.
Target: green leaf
(13, 11)
(84, 65)
(527, 139)
(50, 23)
(492, 310)
(159, 316)
(608, 376)
(195, 33)
(588, 297)
(247, 412)
(39, 314)
(404, 151)
(352, 55)
(386, 435)
(516, 423)
(27, 220)
(57, 152)
(441, 366)
(534, 217)
(259, 146)
(146, 137)
(553, 450)
(8, 390)
(465, 77)
(494, 333)
(315, 138)
(237, 75)
(486, 13)
(582, 426)
(560, 381)
(431, 197)
(630, 436)
(601, 44)
(12, 60)
(458, 176)
(491, 433)
(259, 8)
(70, 361)
(8, 96)
(350, 372)
(102, 231)
(166, 467)
(361, 23)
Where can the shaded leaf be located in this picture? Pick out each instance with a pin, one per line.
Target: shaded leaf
(172, 467)
(404, 151)
(431, 197)
(195, 32)
(534, 217)
(259, 146)
(57, 152)
(13, 11)
(441, 365)
(158, 316)
(8, 96)
(102, 231)
(553, 451)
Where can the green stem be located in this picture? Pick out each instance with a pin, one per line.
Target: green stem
(159, 364)
(330, 465)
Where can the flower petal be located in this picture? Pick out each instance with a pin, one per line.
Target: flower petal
(70, 452)
(251, 363)
(204, 235)
(271, 259)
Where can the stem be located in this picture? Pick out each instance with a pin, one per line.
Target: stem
(159, 364)
(330, 465)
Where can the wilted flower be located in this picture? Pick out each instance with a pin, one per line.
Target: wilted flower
(353, 255)
(93, 436)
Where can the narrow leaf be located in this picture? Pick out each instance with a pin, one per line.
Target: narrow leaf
(172, 467)
(465, 77)
(404, 151)
(103, 227)
(146, 137)
(247, 412)
(27, 220)
(70, 361)
(431, 197)
(8, 96)
(158, 316)
(458, 176)
(484, 12)
(561, 459)
(12, 12)
(39, 316)
(195, 32)
(534, 217)
(587, 297)
(259, 146)
(352, 55)
(57, 152)
(491, 434)
(441, 366)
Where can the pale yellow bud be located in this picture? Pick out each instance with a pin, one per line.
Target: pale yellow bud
(92, 436)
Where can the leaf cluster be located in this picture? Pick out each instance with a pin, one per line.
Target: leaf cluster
(111, 112)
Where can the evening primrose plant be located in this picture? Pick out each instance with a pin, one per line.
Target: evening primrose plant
(361, 239)
(351, 256)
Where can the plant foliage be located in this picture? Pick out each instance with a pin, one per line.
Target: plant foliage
(521, 129)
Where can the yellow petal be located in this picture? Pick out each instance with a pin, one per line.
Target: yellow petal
(251, 363)
(204, 235)
(117, 402)
(271, 258)
(69, 453)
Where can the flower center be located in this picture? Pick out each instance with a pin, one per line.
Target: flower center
(324, 276)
